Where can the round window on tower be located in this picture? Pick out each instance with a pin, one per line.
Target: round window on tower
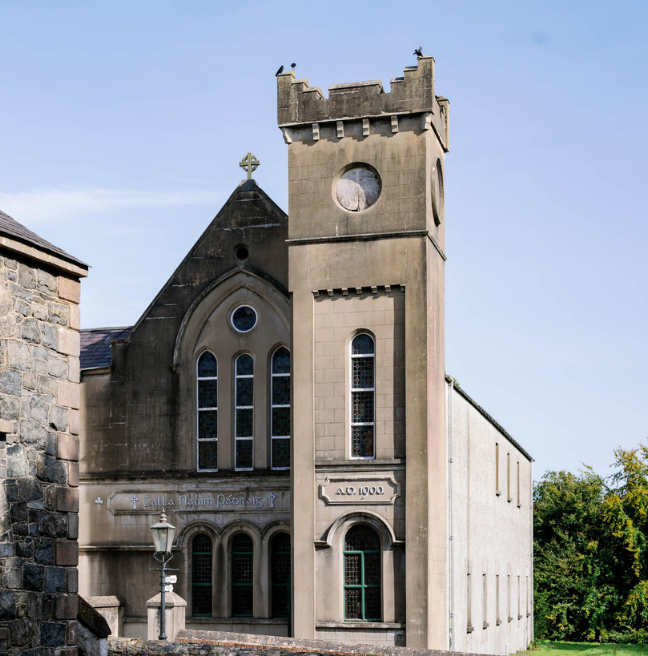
(437, 193)
(244, 318)
(358, 188)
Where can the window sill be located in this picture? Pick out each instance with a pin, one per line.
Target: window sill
(470, 629)
(498, 622)
(234, 620)
(359, 625)
(485, 626)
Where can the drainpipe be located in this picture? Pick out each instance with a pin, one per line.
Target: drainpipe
(451, 512)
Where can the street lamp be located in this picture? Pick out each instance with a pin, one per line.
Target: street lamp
(163, 533)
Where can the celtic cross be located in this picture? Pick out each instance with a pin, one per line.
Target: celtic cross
(249, 163)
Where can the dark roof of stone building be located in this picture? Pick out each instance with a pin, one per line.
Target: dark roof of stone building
(10, 227)
(96, 350)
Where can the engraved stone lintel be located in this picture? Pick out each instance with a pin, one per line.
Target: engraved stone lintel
(365, 127)
(340, 129)
(359, 490)
(316, 132)
(394, 123)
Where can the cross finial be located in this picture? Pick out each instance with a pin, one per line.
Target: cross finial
(249, 163)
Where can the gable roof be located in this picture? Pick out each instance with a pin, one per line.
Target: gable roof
(96, 349)
(11, 228)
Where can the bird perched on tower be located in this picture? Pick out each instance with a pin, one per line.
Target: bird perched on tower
(280, 71)
(419, 52)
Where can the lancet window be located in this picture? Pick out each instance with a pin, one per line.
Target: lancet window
(280, 409)
(363, 397)
(280, 550)
(201, 576)
(242, 576)
(207, 420)
(244, 413)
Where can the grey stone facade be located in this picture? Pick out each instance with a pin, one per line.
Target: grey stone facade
(39, 426)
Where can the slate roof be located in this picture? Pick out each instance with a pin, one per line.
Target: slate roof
(96, 348)
(11, 228)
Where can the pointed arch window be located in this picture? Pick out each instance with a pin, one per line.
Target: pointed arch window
(363, 397)
(280, 550)
(207, 421)
(280, 396)
(362, 575)
(242, 576)
(244, 413)
(201, 576)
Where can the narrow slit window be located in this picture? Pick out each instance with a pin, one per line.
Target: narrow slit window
(363, 397)
(527, 596)
(280, 409)
(497, 470)
(508, 596)
(518, 484)
(484, 602)
(244, 413)
(201, 576)
(519, 602)
(469, 624)
(281, 575)
(362, 575)
(509, 498)
(498, 618)
(242, 576)
(207, 420)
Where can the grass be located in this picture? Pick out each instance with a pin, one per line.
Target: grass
(553, 648)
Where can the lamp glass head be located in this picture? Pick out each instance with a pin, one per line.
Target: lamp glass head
(163, 534)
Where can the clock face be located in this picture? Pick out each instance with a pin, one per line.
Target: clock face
(358, 188)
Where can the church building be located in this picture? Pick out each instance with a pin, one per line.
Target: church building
(284, 400)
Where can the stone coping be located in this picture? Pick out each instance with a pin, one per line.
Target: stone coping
(275, 643)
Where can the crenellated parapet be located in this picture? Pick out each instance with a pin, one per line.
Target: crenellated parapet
(299, 104)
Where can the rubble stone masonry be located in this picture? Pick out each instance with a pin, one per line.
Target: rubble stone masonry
(39, 452)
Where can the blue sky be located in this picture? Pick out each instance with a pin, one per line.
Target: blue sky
(122, 125)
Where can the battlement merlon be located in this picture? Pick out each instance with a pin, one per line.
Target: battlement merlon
(299, 104)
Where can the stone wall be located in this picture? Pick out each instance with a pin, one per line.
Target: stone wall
(39, 425)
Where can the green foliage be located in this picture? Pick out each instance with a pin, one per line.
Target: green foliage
(591, 553)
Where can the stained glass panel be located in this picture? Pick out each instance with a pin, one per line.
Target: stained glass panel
(362, 407)
(207, 366)
(352, 564)
(372, 604)
(281, 453)
(201, 575)
(281, 361)
(280, 422)
(362, 345)
(208, 454)
(244, 365)
(208, 424)
(362, 441)
(207, 393)
(244, 423)
(244, 391)
(281, 390)
(244, 454)
(353, 604)
(361, 538)
(363, 373)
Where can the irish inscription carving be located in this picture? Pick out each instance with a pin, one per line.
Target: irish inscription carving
(120, 503)
(361, 490)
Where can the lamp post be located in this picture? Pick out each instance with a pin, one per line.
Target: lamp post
(163, 534)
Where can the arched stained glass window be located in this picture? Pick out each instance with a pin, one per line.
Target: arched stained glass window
(363, 397)
(201, 576)
(242, 576)
(280, 550)
(362, 575)
(280, 422)
(207, 422)
(244, 411)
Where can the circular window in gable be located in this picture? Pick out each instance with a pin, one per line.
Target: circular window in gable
(244, 318)
(358, 188)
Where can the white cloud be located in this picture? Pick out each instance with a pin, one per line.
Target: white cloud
(42, 206)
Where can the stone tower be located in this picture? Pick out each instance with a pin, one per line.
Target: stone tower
(366, 275)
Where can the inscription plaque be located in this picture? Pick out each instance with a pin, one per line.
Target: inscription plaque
(360, 490)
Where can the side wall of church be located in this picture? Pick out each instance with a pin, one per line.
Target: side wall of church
(490, 511)
(39, 425)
